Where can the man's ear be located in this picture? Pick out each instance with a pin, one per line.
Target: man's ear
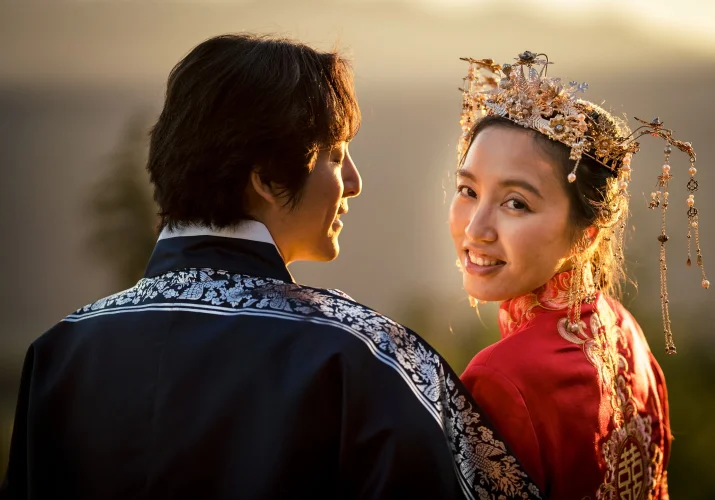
(266, 191)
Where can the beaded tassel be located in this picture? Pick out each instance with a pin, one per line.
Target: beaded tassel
(660, 199)
(693, 223)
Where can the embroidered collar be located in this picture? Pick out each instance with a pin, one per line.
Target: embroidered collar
(517, 313)
(246, 249)
(248, 230)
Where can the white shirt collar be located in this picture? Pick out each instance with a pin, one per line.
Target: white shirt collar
(246, 230)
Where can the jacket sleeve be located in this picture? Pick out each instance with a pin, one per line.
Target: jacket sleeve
(504, 406)
(392, 445)
(14, 486)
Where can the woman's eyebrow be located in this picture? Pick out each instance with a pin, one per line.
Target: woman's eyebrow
(522, 184)
(464, 173)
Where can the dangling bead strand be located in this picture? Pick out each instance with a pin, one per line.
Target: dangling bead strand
(661, 199)
(693, 222)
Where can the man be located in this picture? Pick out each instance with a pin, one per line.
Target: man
(217, 376)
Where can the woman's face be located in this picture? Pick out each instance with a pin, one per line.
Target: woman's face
(509, 218)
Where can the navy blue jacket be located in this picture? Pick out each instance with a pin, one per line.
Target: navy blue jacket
(218, 377)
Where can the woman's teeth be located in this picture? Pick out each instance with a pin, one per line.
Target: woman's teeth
(482, 262)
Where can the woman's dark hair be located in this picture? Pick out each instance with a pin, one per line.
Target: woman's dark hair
(239, 103)
(594, 198)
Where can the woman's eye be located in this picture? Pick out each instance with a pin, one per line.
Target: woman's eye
(466, 191)
(516, 205)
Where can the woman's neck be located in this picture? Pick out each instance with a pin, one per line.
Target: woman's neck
(517, 313)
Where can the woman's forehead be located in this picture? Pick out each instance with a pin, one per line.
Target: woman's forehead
(507, 152)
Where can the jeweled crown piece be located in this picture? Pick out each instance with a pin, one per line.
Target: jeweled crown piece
(523, 93)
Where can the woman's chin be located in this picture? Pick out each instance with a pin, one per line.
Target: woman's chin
(482, 294)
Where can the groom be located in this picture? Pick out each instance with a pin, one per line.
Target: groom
(217, 376)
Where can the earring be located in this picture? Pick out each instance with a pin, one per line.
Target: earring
(577, 290)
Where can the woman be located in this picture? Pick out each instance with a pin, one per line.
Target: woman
(537, 221)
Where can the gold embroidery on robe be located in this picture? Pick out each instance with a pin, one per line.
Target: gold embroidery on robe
(633, 463)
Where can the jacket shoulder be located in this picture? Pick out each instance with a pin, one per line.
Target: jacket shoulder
(217, 292)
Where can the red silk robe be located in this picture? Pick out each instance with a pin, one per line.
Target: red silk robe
(586, 413)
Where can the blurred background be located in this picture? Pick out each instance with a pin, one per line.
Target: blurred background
(81, 83)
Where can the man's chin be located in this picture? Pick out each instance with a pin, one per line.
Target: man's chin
(332, 252)
(326, 252)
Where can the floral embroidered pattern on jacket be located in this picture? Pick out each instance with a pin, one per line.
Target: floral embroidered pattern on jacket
(485, 469)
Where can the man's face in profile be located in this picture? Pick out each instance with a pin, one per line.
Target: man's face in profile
(310, 229)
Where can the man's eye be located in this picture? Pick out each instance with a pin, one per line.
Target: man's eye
(466, 191)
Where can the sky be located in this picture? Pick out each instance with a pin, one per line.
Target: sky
(116, 41)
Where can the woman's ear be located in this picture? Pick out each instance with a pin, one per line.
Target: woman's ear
(587, 240)
(591, 233)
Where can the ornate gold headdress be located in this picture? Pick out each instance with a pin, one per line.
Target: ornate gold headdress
(523, 93)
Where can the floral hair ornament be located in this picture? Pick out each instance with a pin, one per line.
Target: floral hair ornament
(523, 93)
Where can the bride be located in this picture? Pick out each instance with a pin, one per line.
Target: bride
(537, 221)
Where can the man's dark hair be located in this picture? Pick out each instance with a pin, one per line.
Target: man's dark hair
(238, 103)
